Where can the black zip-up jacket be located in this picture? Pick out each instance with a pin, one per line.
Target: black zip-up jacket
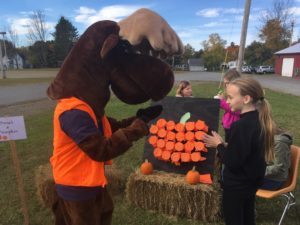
(243, 158)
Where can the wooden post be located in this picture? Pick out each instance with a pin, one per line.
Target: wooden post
(20, 183)
(243, 36)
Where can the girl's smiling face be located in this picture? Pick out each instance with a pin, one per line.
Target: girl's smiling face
(187, 91)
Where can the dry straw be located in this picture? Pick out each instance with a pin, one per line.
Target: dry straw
(45, 184)
(168, 193)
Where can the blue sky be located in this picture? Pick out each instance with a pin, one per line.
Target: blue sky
(193, 20)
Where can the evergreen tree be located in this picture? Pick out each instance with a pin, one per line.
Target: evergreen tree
(64, 36)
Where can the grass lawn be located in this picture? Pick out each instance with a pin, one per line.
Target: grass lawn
(37, 149)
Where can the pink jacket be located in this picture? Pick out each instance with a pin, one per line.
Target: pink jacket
(229, 117)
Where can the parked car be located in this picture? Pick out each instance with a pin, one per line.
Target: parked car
(248, 69)
(264, 69)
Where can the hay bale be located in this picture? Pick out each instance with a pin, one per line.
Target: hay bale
(115, 180)
(168, 193)
(45, 185)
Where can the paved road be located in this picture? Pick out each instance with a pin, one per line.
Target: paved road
(27, 92)
(274, 82)
(10, 95)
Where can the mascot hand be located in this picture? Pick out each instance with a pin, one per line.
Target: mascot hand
(149, 113)
(147, 31)
(136, 130)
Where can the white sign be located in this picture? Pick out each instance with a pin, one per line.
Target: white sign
(12, 128)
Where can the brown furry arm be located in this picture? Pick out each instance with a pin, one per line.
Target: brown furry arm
(101, 149)
(115, 125)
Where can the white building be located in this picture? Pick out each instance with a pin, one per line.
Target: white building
(5, 63)
(16, 62)
(196, 64)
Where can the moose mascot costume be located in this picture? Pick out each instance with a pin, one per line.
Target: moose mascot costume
(109, 56)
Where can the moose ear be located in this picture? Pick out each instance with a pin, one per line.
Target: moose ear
(110, 42)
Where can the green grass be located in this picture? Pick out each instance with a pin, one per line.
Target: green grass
(37, 149)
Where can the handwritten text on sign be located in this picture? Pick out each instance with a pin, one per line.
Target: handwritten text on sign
(12, 128)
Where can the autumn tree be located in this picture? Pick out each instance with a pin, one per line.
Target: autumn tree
(214, 51)
(276, 28)
(274, 35)
(232, 52)
(64, 36)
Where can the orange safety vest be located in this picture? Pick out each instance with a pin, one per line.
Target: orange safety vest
(71, 165)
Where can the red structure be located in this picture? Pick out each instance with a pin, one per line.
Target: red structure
(287, 61)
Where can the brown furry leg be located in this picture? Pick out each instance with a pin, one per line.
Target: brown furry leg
(59, 212)
(107, 208)
(97, 211)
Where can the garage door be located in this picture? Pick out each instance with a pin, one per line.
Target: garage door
(287, 67)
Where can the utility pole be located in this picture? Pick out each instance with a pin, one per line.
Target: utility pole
(243, 35)
(292, 31)
(1, 57)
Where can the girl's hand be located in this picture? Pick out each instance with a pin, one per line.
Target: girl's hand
(212, 141)
(221, 96)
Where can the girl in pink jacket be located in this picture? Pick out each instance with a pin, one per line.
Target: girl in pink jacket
(228, 117)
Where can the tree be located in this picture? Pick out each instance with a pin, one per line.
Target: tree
(198, 54)
(38, 58)
(277, 25)
(14, 38)
(257, 54)
(37, 34)
(232, 52)
(214, 51)
(64, 36)
(274, 35)
(37, 30)
(189, 52)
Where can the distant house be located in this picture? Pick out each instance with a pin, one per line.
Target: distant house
(16, 62)
(287, 61)
(5, 63)
(196, 64)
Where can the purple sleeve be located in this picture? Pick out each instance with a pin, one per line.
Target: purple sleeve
(77, 124)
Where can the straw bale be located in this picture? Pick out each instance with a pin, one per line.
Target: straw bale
(168, 193)
(116, 181)
(45, 183)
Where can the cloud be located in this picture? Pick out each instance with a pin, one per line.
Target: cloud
(295, 10)
(211, 12)
(233, 11)
(215, 12)
(20, 25)
(88, 16)
(213, 24)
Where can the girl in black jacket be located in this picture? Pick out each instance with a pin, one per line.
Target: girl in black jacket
(249, 147)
